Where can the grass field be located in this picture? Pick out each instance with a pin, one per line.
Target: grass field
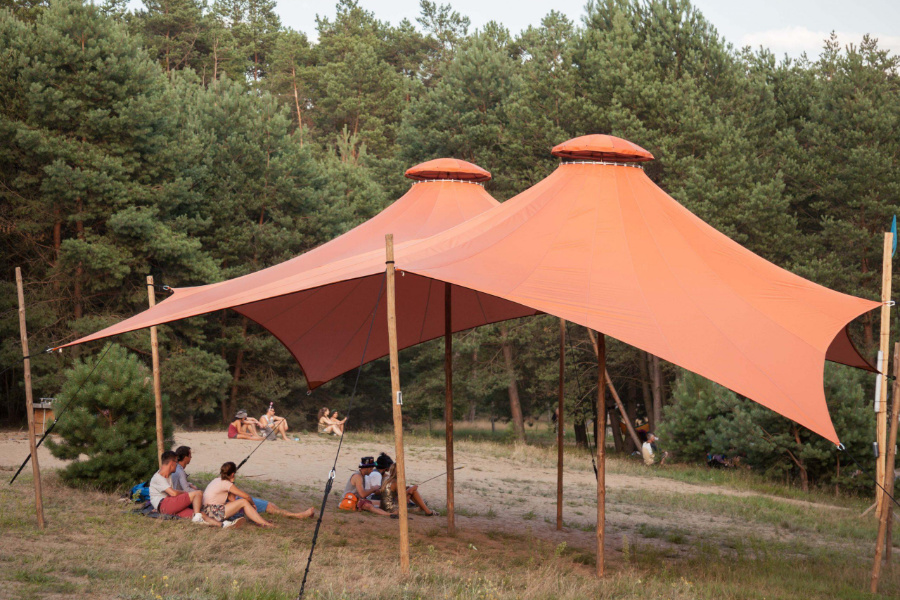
(700, 534)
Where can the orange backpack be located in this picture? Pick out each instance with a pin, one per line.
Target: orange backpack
(349, 502)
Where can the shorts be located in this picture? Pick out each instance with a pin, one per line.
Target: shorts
(261, 507)
(215, 511)
(267, 432)
(179, 505)
(362, 503)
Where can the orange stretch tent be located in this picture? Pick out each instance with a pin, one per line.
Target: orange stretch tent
(599, 244)
(325, 328)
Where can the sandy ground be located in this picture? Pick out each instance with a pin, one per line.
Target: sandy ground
(491, 493)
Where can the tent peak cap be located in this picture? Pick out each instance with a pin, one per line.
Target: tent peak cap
(601, 147)
(452, 169)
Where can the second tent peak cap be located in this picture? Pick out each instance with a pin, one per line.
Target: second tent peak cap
(601, 147)
(448, 168)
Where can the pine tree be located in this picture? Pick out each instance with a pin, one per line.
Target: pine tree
(111, 421)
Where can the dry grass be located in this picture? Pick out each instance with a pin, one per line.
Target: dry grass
(761, 548)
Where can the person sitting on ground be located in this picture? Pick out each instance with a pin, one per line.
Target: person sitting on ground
(169, 501)
(180, 483)
(270, 425)
(243, 427)
(648, 451)
(389, 500)
(374, 479)
(215, 498)
(330, 423)
(355, 488)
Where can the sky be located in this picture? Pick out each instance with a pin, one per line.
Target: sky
(784, 26)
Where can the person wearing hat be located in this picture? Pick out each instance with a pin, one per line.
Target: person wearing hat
(373, 479)
(243, 427)
(648, 451)
(355, 492)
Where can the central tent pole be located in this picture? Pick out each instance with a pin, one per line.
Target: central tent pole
(157, 387)
(29, 403)
(448, 403)
(396, 403)
(560, 432)
(881, 392)
(601, 453)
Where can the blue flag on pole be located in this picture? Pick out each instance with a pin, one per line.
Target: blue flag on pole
(894, 231)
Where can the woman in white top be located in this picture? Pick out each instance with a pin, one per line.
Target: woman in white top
(215, 498)
(271, 425)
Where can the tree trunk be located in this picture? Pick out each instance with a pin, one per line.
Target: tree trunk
(79, 270)
(297, 103)
(580, 433)
(515, 407)
(656, 378)
(57, 244)
(645, 387)
(616, 429)
(238, 363)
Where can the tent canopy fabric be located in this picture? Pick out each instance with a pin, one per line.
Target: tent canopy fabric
(325, 329)
(601, 245)
(594, 243)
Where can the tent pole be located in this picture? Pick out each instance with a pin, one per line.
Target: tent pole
(396, 403)
(601, 453)
(884, 347)
(612, 390)
(157, 387)
(29, 403)
(560, 432)
(448, 404)
(883, 542)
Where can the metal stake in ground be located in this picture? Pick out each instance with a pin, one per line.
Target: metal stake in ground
(396, 402)
(29, 406)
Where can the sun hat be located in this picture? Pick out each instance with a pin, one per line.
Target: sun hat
(367, 462)
(241, 414)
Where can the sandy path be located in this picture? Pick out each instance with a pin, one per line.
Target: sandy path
(491, 493)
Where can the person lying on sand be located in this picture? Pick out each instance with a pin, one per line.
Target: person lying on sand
(215, 498)
(180, 483)
(169, 501)
(243, 427)
(389, 494)
(354, 497)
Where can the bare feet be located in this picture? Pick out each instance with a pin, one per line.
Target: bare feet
(309, 512)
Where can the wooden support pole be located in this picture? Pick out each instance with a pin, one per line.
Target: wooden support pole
(29, 403)
(601, 453)
(881, 398)
(448, 403)
(157, 386)
(396, 403)
(560, 431)
(612, 390)
(883, 541)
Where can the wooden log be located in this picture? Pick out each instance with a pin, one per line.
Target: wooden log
(612, 390)
(884, 347)
(560, 431)
(886, 504)
(157, 386)
(448, 404)
(29, 403)
(396, 403)
(601, 454)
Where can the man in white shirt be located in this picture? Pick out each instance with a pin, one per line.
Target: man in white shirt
(168, 501)
(374, 479)
(648, 453)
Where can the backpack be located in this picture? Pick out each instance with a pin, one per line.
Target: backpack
(141, 492)
(349, 502)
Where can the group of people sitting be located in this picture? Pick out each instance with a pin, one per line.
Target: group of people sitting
(373, 488)
(221, 504)
(245, 427)
(268, 426)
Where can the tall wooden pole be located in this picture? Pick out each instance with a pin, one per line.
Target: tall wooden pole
(884, 541)
(881, 394)
(157, 386)
(29, 403)
(560, 431)
(396, 402)
(448, 403)
(612, 390)
(601, 453)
